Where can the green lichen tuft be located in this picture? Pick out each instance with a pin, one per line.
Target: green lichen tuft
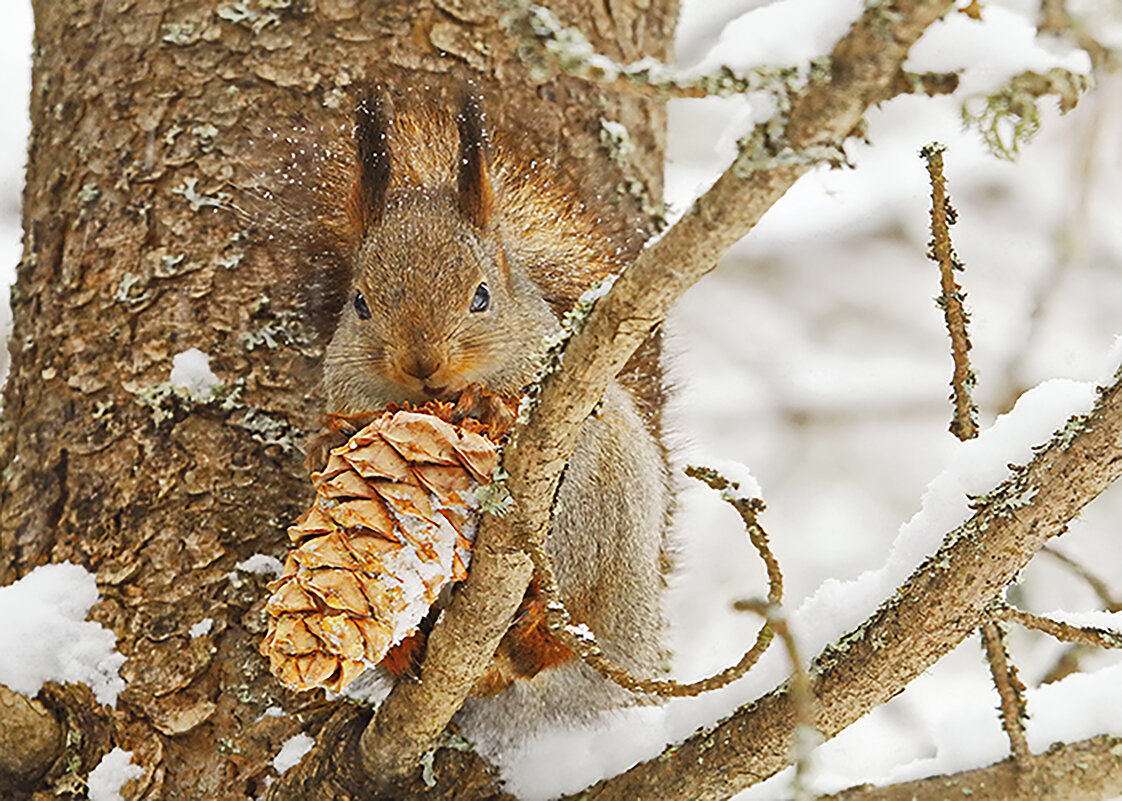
(1010, 117)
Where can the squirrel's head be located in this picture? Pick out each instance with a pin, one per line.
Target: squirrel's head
(435, 303)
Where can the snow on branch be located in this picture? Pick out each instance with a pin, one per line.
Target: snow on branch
(1082, 771)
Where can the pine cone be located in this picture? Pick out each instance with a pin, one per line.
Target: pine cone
(392, 524)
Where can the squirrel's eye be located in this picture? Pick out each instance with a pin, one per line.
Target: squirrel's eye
(361, 308)
(481, 300)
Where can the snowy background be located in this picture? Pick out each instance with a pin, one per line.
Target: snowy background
(816, 357)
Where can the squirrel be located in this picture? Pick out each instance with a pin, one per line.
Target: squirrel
(466, 252)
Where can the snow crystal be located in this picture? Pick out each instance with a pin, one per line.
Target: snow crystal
(202, 627)
(111, 773)
(292, 751)
(262, 564)
(190, 370)
(47, 638)
(273, 712)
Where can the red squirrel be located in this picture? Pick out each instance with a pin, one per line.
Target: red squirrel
(468, 248)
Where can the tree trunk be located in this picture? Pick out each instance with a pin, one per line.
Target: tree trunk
(157, 220)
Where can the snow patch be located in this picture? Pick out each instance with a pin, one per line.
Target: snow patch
(262, 564)
(202, 627)
(47, 638)
(110, 775)
(292, 751)
(988, 52)
(190, 371)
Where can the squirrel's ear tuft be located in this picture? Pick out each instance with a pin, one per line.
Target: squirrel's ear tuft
(476, 195)
(373, 119)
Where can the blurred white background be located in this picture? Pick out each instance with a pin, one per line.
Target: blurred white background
(816, 356)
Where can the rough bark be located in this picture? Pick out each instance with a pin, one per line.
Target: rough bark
(156, 126)
(30, 739)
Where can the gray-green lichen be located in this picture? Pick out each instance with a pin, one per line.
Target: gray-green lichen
(269, 429)
(197, 200)
(1010, 117)
(257, 16)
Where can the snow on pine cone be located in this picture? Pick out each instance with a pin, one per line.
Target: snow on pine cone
(391, 525)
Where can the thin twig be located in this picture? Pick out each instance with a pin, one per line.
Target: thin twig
(1010, 689)
(1065, 632)
(1100, 588)
(582, 641)
(806, 736)
(964, 425)
(550, 46)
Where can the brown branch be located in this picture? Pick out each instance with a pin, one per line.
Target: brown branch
(922, 83)
(550, 46)
(1089, 770)
(821, 115)
(1010, 689)
(806, 735)
(948, 597)
(30, 740)
(1065, 632)
(964, 424)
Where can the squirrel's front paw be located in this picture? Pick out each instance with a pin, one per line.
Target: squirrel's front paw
(486, 407)
(337, 429)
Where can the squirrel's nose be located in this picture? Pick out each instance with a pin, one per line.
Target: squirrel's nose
(421, 365)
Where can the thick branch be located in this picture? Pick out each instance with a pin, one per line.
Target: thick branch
(1089, 770)
(30, 739)
(864, 64)
(947, 598)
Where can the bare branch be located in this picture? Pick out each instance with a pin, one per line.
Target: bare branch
(583, 642)
(948, 597)
(806, 735)
(1106, 596)
(1089, 770)
(1010, 689)
(923, 83)
(1065, 632)
(964, 424)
